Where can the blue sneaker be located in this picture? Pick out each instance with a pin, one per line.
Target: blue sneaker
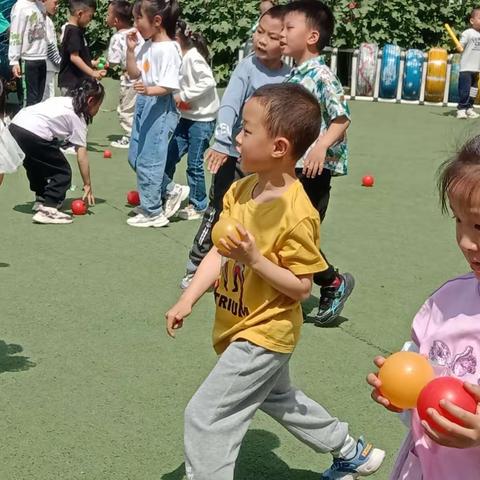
(333, 298)
(367, 460)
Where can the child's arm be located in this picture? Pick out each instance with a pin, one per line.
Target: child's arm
(53, 54)
(313, 164)
(81, 65)
(17, 27)
(296, 287)
(132, 68)
(205, 277)
(139, 87)
(84, 167)
(232, 103)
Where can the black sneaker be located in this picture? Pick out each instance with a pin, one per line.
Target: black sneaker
(333, 298)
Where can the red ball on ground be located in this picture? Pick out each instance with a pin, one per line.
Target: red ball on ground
(133, 198)
(368, 181)
(79, 207)
(444, 388)
(107, 154)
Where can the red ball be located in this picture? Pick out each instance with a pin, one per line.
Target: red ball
(107, 154)
(368, 181)
(79, 207)
(133, 198)
(444, 388)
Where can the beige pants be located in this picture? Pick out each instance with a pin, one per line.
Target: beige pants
(126, 108)
(49, 86)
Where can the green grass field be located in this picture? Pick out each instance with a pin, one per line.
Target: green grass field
(92, 388)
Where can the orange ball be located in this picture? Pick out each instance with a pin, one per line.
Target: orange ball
(403, 376)
(224, 227)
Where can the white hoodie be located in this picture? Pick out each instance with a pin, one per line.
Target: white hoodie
(28, 33)
(198, 88)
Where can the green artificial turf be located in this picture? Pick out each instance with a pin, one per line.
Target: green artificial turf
(92, 388)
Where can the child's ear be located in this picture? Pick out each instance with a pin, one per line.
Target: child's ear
(157, 21)
(313, 38)
(281, 146)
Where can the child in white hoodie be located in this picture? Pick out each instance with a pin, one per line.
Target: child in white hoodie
(27, 50)
(198, 103)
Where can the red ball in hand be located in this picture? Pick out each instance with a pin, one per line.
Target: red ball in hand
(107, 154)
(133, 198)
(368, 181)
(444, 388)
(79, 207)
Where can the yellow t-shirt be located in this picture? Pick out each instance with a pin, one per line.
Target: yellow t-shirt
(287, 232)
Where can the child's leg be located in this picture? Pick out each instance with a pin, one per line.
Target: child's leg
(473, 89)
(126, 108)
(1, 178)
(177, 148)
(306, 419)
(29, 144)
(464, 90)
(222, 181)
(218, 415)
(314, 426)
(133, 149)
(335, 287)
(158, 121)
(199, 136)
(35, 73)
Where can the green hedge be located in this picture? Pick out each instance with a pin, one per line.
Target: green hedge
(226, 23)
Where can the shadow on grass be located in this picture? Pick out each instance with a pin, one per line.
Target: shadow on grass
(27, 206)
(257, 460)
(10, 361)
(4, 265)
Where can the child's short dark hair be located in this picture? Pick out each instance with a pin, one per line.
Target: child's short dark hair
(123, 11)
(169, 10)
(319, 17)
(277, 12)
(75, 5)
(291, 111)
(89, 88)
(459, 177)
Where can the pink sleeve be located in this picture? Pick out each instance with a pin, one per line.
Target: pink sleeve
(421, 321)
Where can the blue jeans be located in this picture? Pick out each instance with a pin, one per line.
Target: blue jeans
(154, 122)
(467, 89)
(194, 138)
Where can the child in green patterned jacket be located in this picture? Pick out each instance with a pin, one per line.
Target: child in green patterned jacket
(308, 28)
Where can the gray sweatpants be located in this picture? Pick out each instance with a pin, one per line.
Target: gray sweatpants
(247, 378)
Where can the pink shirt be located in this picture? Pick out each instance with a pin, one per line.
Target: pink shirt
(447, 329)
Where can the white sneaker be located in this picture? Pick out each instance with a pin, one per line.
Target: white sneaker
(51, 215)
(471, 113)
(174, 199)
(462, 114)
(124, 142)
(69, 150)
(37, 206)
(143, 221)
(189, 213)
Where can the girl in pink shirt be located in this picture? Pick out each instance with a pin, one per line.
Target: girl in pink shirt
(447, 330)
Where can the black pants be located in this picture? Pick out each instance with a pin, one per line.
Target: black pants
(228, 173)
(467, 89)
(48, 171)
(318, 191)
(34, 77)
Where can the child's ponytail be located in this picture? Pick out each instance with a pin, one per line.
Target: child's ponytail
(89, 89)
(193, 39)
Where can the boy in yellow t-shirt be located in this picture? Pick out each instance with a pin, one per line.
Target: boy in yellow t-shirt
(259, 283)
